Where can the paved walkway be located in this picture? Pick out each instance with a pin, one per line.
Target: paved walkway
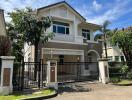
(94, 91)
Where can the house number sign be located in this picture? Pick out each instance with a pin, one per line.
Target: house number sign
(6, 77)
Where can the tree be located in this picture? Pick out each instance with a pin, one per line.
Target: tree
(124, 40)
(104, 30)
(17, 42)
(33, 28)
(98, 36)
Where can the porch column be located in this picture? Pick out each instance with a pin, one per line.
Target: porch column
(82, 66)
(103, 71)
(6, 73)
(82, 58)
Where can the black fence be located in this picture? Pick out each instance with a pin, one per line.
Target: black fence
(29, 75)
(77, 71)
(115, 69)
(115, 72)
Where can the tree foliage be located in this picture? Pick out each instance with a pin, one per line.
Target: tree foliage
(124, 40)
(98, 36)
(31, 27)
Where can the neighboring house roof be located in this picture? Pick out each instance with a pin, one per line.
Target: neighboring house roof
(63, 2)
(94, 26)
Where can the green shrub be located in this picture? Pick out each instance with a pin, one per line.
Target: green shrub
(115, 79)
(129, 75)
(124, 69)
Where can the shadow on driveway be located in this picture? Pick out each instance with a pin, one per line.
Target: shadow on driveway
(72, 88)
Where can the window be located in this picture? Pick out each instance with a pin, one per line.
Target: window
(122, 58)
(59, 27)
(54, 28)
(61, 58)
(86, 34)
(116, 58)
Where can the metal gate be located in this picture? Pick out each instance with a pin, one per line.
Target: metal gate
(77, 71)
(29, 75)
(33, 74)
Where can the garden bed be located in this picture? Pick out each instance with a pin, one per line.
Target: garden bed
(39, 95)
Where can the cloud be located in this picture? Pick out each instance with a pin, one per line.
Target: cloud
(96, 6)
(93, 11)
(114, 12)
(9, 5)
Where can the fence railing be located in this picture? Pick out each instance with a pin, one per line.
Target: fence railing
(33, 74)
(29, 75)
(77, 71)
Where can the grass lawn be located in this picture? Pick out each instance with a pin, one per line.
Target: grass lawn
(19, 96)
(124, 82)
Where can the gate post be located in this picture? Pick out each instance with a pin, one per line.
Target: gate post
(51, 81)
(103, 70)
(39, 72)
(22, 75)
(6, 73)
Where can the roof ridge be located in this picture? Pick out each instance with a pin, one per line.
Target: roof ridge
(52, 4)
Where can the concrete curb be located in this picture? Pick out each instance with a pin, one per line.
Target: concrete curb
(123, 84)
(42, 97)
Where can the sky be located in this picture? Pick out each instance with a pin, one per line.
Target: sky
(118, 12)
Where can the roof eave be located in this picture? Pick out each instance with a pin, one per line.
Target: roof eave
(62, 2)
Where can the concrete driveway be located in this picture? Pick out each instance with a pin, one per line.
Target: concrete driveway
(93, 91)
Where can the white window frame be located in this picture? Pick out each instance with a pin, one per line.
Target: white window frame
(86, 34)
(61, 26)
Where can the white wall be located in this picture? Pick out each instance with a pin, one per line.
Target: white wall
(63, 14)
(28, 53)
(113, 51)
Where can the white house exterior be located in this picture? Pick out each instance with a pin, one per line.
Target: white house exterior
(74, 38)
(114, 53)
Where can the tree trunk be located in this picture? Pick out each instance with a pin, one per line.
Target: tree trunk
(36, 61)
(105, 45)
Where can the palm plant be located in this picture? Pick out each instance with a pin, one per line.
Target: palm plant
(104, 30)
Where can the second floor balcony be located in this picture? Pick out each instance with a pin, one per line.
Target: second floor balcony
(68, 38)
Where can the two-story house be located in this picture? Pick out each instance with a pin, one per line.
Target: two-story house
(73, 40)
(2, 23)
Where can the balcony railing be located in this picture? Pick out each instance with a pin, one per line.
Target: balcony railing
(71, 38)
(68, 38)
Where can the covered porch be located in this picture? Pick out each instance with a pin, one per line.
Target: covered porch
(71, 64)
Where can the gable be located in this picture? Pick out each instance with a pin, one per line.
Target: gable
(61, 9)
